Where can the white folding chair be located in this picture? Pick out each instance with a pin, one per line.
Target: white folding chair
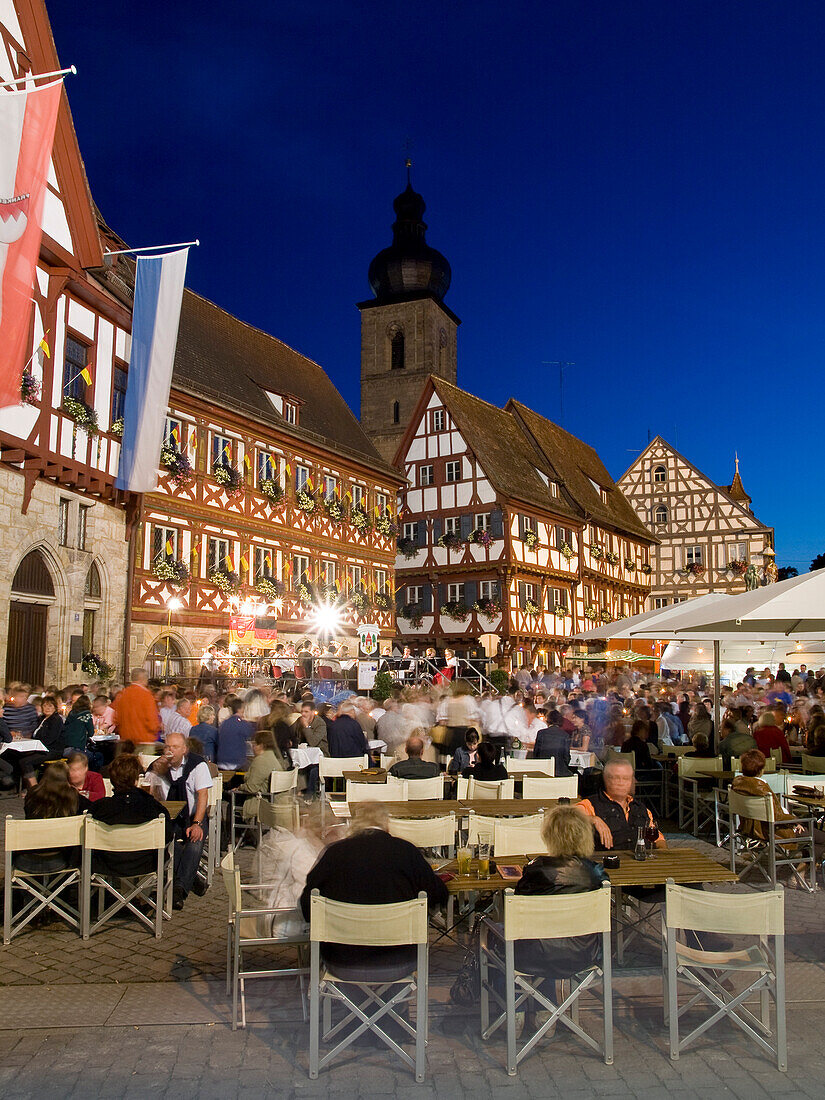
(766, 854)
(427, 832)
(126, 890)
(519, 767)
(45, 879)
(387, 761)
(518, 837)
(563, 786)
(493, 789)
(385, 987)
(761, 914)
(815, 765)
(480, 828)
(277, 813)
(333, 767)
(376, 792)
(418, 789)
(461, 787)
(211, 855)
(696, 803)
(107, 787)
(245, 932)
(281, 782)
(545, 917)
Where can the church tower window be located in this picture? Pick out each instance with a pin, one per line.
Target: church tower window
(396, 412)
(397, 351)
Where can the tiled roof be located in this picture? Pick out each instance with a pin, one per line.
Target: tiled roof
(578, 466)
(234, 364)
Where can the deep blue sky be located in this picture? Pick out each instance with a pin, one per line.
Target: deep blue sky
(635, 185)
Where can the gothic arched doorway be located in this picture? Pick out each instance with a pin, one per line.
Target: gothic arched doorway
(32, 592)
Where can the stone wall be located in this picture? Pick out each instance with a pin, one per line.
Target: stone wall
(68, 566)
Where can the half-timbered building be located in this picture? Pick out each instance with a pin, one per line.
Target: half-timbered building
(63, 526)
(509, 527)
(708, 536)
(270, 497)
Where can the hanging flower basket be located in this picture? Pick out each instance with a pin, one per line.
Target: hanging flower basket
(385, 526)
(306, 501)
(225, 579)
(695, 569)
(606, 617)
(591, 613)
(270, 588)
(228, 476)
(406, 548)
(381, 602)
(481, 537)
(567, 550)
(30, 389)
(413, 613)
(630, 565)
(455, 610)
(303, 593)
(738, 567)
(94, 666)
(117, 428)
(646, 569)
(360, 521)
(334, 508)
(531, 607)
(490, 609)
(611, 557)
(359, 601)
(450, 540)
(178, 465)
(560, 611)
(271, 489)
(83, 415)
(531, 539)
(596, 552)
(172, 571)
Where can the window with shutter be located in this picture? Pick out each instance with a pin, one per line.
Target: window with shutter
(470, 592)
(497, 523)
(427, 597)
(466, 526)
(437, 528)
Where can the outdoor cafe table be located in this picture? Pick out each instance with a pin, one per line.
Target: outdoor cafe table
(437, 807)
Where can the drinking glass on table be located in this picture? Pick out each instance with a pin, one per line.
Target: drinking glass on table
(464, 856)
(651, 835)
(484, 848)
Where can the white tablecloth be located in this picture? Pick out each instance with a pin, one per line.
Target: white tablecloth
(305, 755)
(105, 737)
(377, 745)
(580, 759)
(24, 745)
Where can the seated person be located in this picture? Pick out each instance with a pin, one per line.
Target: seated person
(347, 871)
(50, 730)
(568, 868)
(637, 743)
(206, 731)
(485, 767)
(768, 735)
(734, 740)
(465, 755)
(616, 816)
(264, 763)
(85, 782)
(283, 862)
(52, 797)
(751, 782)
(128, 804)
(553, 743)
(234, 735)
(701, 747)
(346, 737)
(414, 767)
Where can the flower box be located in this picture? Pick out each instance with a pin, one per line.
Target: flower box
(178, 465)
(360, 521)
(270, 588)
(171, 571)
(228, 476)
(225, 579)
(83, 415)
(385, 526)
(96, 667)
(271, 489)
(455, 610)
(531, 607)
(406, 548)
(306, 501)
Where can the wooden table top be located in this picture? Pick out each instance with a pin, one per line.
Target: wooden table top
(376, 775)
(681, 864)
(423, 807)
(510, 807)
(723, 776)
(173, 808)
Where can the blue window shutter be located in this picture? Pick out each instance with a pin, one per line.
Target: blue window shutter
(466, 526)
(437, 525)
(496, 523)
(470, 592)
(427, 597)
(522, 593)
(420, 533)
(521, 526)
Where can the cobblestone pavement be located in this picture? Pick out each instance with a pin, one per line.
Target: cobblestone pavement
(126, 1015)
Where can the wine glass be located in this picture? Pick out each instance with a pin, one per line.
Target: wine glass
(651, 835)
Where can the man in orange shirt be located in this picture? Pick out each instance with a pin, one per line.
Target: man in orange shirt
(137, 714)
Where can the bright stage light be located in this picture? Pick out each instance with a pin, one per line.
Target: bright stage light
(174, 604)
(326, 617)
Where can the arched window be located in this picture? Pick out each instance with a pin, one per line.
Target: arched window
(397, 351)
(33, 577)
(164, 660)
(92, 589)
(659, 474)
(396, 412)
(660, 514)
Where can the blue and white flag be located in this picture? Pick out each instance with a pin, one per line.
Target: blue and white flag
(158, 293)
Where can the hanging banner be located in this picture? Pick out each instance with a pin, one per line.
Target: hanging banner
(27, 122)
(155, 317)
(253, 632)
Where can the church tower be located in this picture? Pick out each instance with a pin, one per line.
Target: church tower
(407, 333)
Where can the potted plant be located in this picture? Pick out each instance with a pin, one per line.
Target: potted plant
(171, 571)
(531, 607)
(456, 610)
(305, 500)
(413, 613)
(481, 537)
(83, 415)
(606, 617)
(360, 601)
(450, 540)
(270, 588)
(490, 609)
(596, 552)
(30, 389)
(406, 548)
(225, 579)
(567, 550)
(591, 613)
(178, 464)
(334, 508)
(381, 602)
(116, 428)
(95, 667)
(646, 568)
(228, 476)
(560, 611)
(531, 539)
(360, 520)
(630, 565)
(385, 526)
(271, 489)
(611, 557)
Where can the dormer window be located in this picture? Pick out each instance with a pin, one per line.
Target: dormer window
(290, 412)
(286, 406)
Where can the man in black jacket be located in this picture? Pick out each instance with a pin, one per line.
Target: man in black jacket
(127, 805)
(553, 743)
(371, 867)
(346, 737)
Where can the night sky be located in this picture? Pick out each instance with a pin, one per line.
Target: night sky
(633, 186)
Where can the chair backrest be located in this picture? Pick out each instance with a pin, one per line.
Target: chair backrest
(215, 792)
(147, 759)
(561, 786)
(285, 814)
(552, 916)
(107, 787)
(792, 781)
(479, 826)
(520, 837)
(231, 881)
(398, 785)
(325, 672)
(519, 767)
(777, 782)
(493, 789)
(377, 792)
(428, 832)
(813, 764)
(331, 766)
(753, 914)
(279, 781)
(625, 757)
(387, 761)
(461, 787)
(690, 766)
(425, 788)
(757, 807)
(776, 756)
(674, 750)
(98, 837)
(51, 832)
(392, 925)
(770, 764)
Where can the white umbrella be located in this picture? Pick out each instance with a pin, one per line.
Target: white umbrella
(624, 628)
(699, 654)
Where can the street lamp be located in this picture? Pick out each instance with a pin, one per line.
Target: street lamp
(172, 604)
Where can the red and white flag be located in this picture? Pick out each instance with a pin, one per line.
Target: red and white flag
(27, 122)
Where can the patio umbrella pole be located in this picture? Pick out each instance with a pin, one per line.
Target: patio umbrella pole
(717, 692)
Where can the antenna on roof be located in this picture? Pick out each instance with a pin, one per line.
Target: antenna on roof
(561, 364)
